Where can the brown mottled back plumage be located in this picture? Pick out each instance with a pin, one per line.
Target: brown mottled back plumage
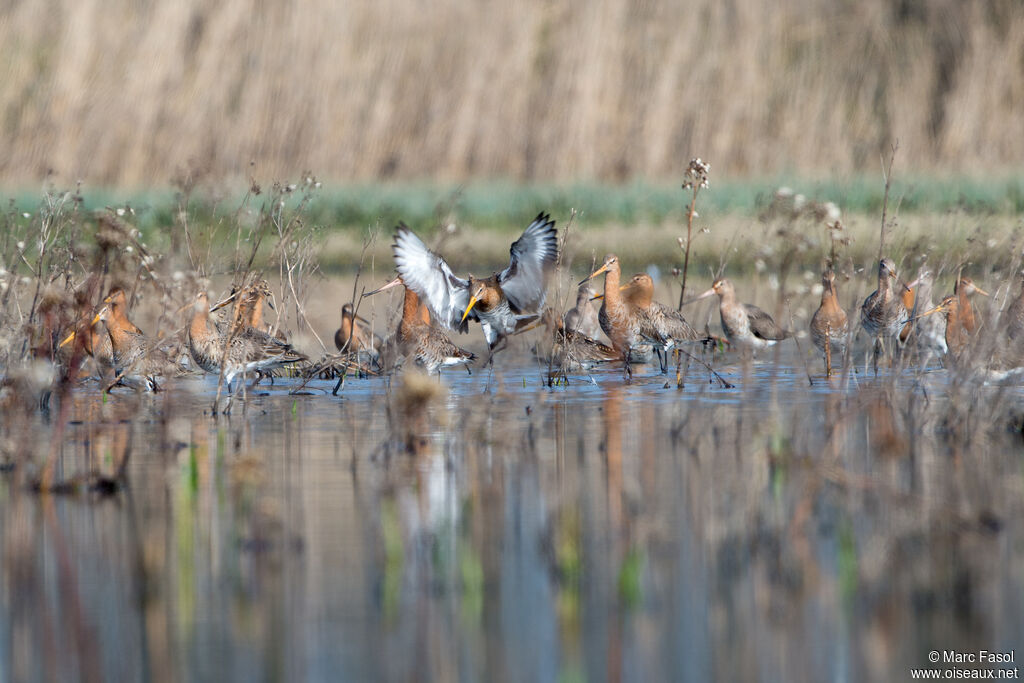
(570, 349)
(239, 351)
(1014, 316)
(883, 313)
(428, 346)
(659, 324)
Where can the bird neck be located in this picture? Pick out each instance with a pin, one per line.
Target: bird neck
(118, 334)
(955, 331)
(118, 316)
(199, 327)
(411, 313)
(92, 337)
(256, 314)
(962, 297)
(612, 296)
(644, 297)
(829, 297)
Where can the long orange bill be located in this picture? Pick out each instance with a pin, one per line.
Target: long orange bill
(394, 283)
(472, 303)
(221, 304)
(979, 290)
(938, 308)
(67, 340)
(705, 295)
(597, 272)
(622, 288)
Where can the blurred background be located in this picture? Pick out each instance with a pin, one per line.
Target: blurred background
(133, 94)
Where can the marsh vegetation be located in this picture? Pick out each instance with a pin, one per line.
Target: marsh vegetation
(707, 521)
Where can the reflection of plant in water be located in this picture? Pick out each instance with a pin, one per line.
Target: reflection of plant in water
(471, 582)
(631, 578)
(568, 559)
(394, 558)
(847, 561)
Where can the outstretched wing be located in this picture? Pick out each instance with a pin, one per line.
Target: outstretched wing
(525, 280)
(762, 325)
(427, 274)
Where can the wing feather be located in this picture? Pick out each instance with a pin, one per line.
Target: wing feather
(429, 275)
(762, 325)
(533, 257)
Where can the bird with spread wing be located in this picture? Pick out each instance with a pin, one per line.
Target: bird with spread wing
(502, 303)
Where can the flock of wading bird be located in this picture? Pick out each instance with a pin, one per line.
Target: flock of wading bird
(898, 316)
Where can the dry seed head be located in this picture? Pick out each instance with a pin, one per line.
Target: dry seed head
(697, 174)
(53, 298)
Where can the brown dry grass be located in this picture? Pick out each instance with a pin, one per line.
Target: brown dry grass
(130, 93)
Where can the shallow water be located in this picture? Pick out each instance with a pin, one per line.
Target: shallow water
(492, 528)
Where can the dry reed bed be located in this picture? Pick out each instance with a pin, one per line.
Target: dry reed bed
(524, 90)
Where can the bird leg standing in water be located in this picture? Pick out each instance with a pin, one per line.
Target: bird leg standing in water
(828, 351)
(883, 314)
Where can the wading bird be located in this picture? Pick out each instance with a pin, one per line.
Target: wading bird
(355, 334)
(883, 314)
(137, 363)
(502, 303)
(95, 337)
(239, 351)
(415, 338)
(745, 325)
(94, 341)
(567, 349)
(1013, 320)
(661, 326)
(964, 289)
(249, 300)
(583, 316)
(925, 334)
(829, 325)
(619, 319)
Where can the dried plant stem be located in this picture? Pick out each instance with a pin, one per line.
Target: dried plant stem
(885, 199)
(689, 239)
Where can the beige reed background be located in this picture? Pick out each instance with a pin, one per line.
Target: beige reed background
(132, 93)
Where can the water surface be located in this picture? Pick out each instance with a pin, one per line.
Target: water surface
(489, 527)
